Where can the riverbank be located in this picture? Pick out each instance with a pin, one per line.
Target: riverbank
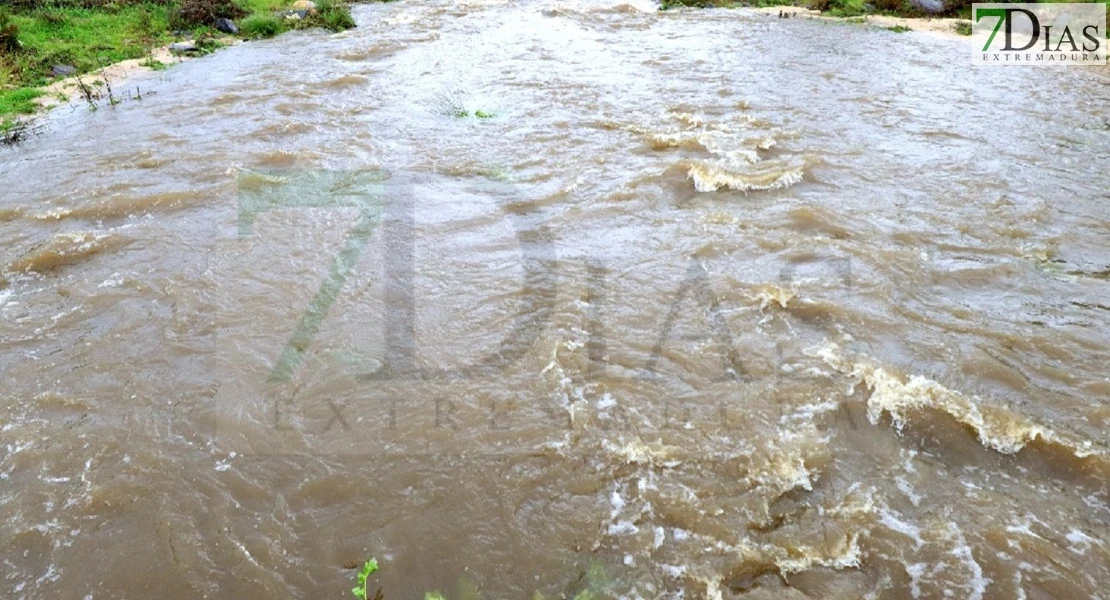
(952, 27)
(51, 50)
(944, 17)
(904, 9)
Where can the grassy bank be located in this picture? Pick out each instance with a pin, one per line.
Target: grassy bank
(851, 8)
(38, 35)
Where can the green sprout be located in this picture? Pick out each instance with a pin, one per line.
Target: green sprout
(367, 569)
(463, 113)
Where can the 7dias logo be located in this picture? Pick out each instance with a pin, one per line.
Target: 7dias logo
(1039, 34)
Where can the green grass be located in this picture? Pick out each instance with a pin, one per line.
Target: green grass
(847, 8)
(84, 38)
(15, 102)
(262, 26)
(963, 28)
(18, 101)
(668, 4)
(154, 65)
(257, 7)
(899, 29)
(332, 16)
(61, 32)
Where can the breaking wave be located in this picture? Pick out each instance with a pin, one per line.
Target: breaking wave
(899, 397)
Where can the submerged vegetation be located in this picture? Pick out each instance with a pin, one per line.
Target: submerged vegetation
(463, 113)
(45, 40)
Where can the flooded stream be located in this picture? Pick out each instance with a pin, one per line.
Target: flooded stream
(563, 300)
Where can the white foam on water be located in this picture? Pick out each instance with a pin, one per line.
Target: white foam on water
(916, 571)
(708, 177)
(1022, 528)
(907, 490)
(899, 397)
(894, 522)
(617, 501)
(1079, 542)
(660, 537)
(977, 583)
(606, 402)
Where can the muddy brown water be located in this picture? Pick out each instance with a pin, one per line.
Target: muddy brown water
(702, 304)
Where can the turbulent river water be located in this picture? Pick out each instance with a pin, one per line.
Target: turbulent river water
(566, 300)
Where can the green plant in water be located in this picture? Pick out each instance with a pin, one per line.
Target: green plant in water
(368, 568)
(12, 131)
(899, 29)
(963, 28)
(463, 113)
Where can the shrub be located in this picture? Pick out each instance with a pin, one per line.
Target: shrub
(333, 15)
(666, 4)
(261, 26)
(9, 34)
(841, 8)
(105, 4)
(895, 6)
(204, 12)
